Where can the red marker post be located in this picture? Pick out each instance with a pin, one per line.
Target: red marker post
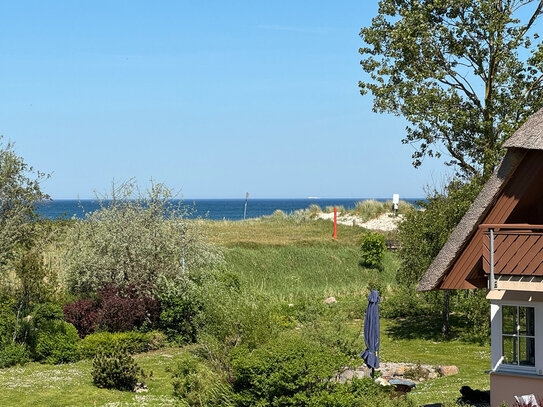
(334, 236)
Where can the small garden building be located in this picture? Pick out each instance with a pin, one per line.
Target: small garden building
(498, 245)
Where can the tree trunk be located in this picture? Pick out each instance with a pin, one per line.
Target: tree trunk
(445, 321)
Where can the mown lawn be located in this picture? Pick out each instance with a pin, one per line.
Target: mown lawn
(71, 384)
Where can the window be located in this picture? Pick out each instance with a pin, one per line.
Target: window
(518, 336)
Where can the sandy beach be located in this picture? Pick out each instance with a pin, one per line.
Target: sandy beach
(386, 222)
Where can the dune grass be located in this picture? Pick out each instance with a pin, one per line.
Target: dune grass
(277, 231)
(372, 209)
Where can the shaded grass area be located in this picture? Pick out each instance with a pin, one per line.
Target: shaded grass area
(426, 327)
(71, 384)
(472, 361)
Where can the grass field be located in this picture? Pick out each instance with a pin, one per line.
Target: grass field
(287, 260)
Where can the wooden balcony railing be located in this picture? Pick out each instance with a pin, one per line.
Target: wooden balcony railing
(518, 249)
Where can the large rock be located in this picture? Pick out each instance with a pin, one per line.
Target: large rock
(346, 375)
(362, 371)
(447, 370)
(382, 382)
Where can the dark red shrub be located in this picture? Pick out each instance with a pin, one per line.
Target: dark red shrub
(83, 314)
(125, 308)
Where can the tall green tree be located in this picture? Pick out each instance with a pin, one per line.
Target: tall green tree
(21, 265)
(424, 233)
(20, 192)
(464, 74)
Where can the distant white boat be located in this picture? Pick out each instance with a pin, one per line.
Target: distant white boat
(313, 197)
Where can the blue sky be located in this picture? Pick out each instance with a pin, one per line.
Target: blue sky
(213, 98)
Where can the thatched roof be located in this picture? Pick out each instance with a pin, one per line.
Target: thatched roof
(530, 134)
(528, 137)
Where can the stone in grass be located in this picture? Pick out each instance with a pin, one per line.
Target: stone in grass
(346, 375)
(141, 388)
(381, 381)
(447, 370)
(330, 300)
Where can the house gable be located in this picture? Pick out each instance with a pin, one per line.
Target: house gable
(519, 202)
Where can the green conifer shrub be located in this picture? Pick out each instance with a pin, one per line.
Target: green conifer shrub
(115, 370)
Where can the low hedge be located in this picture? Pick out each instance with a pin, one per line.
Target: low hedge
(12, 354)
(57, 343)
(132, 342)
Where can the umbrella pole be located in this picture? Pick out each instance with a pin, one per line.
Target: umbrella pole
(372, 373)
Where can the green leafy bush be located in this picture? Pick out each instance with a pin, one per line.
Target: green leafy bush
(132, 342)
(46, 312)
(335, 332)
(286, 371)
(196, 384)
(13, 354)
(475, 306)
(50, 338)
(115, 370)
(239, 317)
(180, 305)
(57, 342)
(373, 250)
(354, 393)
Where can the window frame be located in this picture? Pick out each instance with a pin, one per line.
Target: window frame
(510, 367)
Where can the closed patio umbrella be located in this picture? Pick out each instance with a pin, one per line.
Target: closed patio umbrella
(371, 332)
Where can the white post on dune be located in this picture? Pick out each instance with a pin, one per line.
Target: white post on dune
(395, 203)
(245, 209)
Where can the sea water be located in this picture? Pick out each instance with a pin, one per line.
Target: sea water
(215, 209)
